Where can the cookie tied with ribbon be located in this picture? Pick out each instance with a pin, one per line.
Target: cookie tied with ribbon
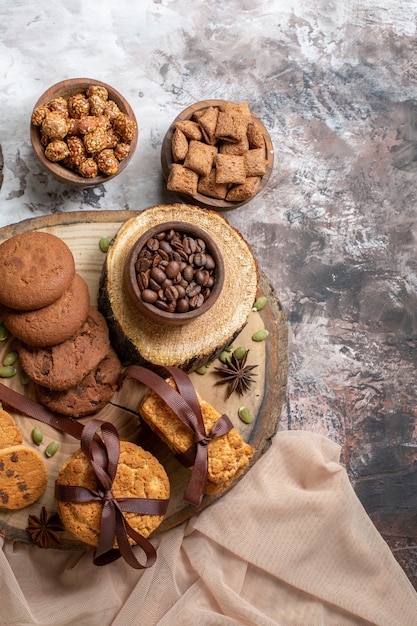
(110, 479)
(112, 494)
(200, 437)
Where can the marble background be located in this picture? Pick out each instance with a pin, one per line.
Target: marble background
(335, 230)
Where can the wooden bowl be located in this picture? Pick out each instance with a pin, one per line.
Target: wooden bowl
(151, 311)
(66, 89)
(198, 198)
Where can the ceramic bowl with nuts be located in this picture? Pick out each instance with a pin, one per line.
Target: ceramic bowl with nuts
(83, 132)
(217, 154)
(174, 273)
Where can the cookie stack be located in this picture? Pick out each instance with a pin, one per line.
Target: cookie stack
(64, 343)
(23, 473)
(228, 455)
(139, 475)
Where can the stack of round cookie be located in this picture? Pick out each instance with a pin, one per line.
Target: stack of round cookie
(64, 343)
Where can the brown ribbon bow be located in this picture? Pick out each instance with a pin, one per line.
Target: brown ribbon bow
(103, 454)
(186, 407)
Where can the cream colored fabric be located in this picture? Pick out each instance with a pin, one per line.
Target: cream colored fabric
(290, 545)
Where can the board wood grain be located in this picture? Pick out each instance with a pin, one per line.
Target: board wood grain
(82, 232)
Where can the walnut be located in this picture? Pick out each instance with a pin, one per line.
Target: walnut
(107, 162)
(73, 126)
(56, 150)
(103, 122)
(55, 125)
(87, 124)
(59, 104)
(113, 139)
(111, 110)
(97, 104)
(96, 141)
(88, 168)
(77, 152)
(125, 126)
(78, 105)
(97, 90)
(39, 114)
(121, 151)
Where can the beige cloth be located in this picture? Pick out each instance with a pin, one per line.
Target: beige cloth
(290, 545)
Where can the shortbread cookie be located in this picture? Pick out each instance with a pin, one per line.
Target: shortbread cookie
(64, 366)
(10, 434)
(54, 323)
(90, 395)
(139, 475)
(228, 455)
(23, 477)
(36, 269)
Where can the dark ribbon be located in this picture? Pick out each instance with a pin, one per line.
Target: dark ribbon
(103, 454)
(184, 402)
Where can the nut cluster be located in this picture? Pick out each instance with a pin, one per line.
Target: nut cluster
(175, 272)
(86, 133)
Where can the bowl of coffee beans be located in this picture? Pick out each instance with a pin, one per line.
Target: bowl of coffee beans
(174, 273)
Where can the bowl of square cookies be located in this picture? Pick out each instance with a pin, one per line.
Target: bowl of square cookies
(217, 154)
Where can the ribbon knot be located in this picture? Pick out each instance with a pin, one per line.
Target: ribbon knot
(103, 454)
(184, 403)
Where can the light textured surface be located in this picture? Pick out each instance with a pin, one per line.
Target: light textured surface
(336, 228)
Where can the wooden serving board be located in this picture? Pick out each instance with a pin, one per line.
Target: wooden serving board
(82, 232)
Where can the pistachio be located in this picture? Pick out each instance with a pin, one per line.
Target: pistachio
(259, 303)
(10, 358)
(260, 335)
(51, 449)
(7, 371)
(24, 378)
(37, 436)
(245, 415)
(104, 244)
(239, 353)
(3, 332)
(225, 356)
(202, 370)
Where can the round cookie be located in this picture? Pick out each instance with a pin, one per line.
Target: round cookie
(63, 366)
(139, 474)
(54, 323)
(36, 269)
(10, 434)
(23, 477)
(90, 395)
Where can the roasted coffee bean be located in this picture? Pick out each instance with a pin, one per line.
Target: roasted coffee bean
(152, 244)
(210, 264)
(200, 259)
(142, 265)
(171, 293)
(201, 277)
(175, 272)
(165, 246)
(148, 295)
(143, 280)
(183, 305)
(172, 269)
(188, 273)
(158, 275)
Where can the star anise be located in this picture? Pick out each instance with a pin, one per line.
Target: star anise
(236, 374)
(43, 529)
